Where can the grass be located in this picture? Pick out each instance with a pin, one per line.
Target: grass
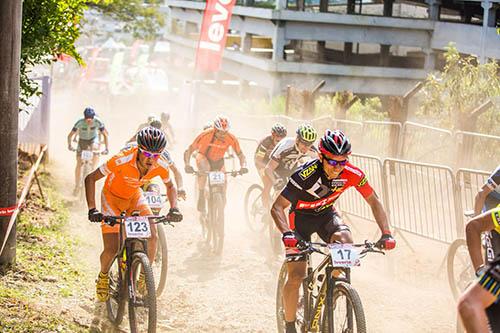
(47, 275)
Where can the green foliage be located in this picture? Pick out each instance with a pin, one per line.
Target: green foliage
(47, 268)
(142, 21)
(450, 96)
(49, 28)
(367, 109)
(363, 109)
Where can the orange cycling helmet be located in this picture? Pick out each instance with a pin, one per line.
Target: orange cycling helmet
(221, 123)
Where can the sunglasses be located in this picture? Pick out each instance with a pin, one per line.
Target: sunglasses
(334, 162)
(150, 155)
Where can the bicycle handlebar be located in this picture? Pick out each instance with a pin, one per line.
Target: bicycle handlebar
(165, 219)
(310, 247)
(233, 173)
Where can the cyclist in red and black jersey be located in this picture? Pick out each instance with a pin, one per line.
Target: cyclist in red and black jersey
(310, 193)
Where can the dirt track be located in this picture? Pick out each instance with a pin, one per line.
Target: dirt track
(404, 291)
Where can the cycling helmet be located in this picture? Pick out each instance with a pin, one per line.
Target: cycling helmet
(165, 116)
(221, 123)
(151, 139)
(88, 113)
(155, 123)
(279, 130)
(306, 133)
(334, 143)
(152, 117)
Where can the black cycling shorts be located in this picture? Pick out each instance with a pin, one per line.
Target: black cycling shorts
(86, 144)
(305, 225)
(490, 281)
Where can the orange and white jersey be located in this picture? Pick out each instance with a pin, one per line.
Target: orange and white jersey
(123, 177)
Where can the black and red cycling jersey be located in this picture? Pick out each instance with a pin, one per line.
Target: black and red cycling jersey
(312, 193)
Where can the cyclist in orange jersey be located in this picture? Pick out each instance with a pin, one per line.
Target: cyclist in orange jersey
(125, 173)
(211, 145)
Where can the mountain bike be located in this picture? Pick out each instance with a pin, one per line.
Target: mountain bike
(212, 220)
(327, 300)
(129, 263)
(259, 219)
(160, 265)
(459, 266)
(87, 158)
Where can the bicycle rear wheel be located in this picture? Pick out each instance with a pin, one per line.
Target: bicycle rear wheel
(254, 211)
(115, 305)
(459, 267)
(160, 265)
(348, 315)
(142, 309)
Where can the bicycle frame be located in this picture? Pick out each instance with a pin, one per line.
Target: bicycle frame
(313, 319)
(128, 246)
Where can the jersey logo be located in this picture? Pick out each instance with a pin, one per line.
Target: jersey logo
(306, 173)
(362, 182)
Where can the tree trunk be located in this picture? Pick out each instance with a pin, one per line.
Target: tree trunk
(10, 50)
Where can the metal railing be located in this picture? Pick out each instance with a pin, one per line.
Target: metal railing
(421, 199)
(380, 138)
(468, 184)
(426, 144)
(476, 150)
(351, 202)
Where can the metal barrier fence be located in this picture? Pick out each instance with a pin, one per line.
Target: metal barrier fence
(475, 150)
(380, 138)
(353, 129)
(468, 183)
(421, 199)
(426, 144)
(351, 202)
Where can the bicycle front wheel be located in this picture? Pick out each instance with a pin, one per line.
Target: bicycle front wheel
(348, 315)
(142, 308)
(254, 211)
(459, 267)
(160, 266)
(115, 305)
(218, 227)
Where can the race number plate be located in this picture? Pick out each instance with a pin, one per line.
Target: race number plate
(137, 227)
(343, 255)
(216, 178)
(87, 155)
(153, 199)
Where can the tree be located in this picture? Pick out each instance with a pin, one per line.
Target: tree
(51, 27)
(449, 97)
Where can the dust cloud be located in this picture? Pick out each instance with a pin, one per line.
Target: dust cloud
(403, 291)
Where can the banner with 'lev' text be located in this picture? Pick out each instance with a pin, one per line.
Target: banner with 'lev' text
(213, 34)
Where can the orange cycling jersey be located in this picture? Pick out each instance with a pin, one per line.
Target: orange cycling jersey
(123, 177)
(213, 148)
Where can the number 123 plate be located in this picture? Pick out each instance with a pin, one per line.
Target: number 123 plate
(137, 227)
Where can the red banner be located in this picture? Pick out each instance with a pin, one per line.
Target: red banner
(7, 211)
(213, 34)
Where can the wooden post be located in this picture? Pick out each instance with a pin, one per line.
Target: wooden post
(10, 51)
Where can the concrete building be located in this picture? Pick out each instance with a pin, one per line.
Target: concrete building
(357, 46)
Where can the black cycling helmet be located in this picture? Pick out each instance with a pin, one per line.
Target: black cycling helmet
(151, 139)
(279, 130)
(89, 113)
(334, 143)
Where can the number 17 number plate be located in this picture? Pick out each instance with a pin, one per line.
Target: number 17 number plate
(137, 227)
(344, 255)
